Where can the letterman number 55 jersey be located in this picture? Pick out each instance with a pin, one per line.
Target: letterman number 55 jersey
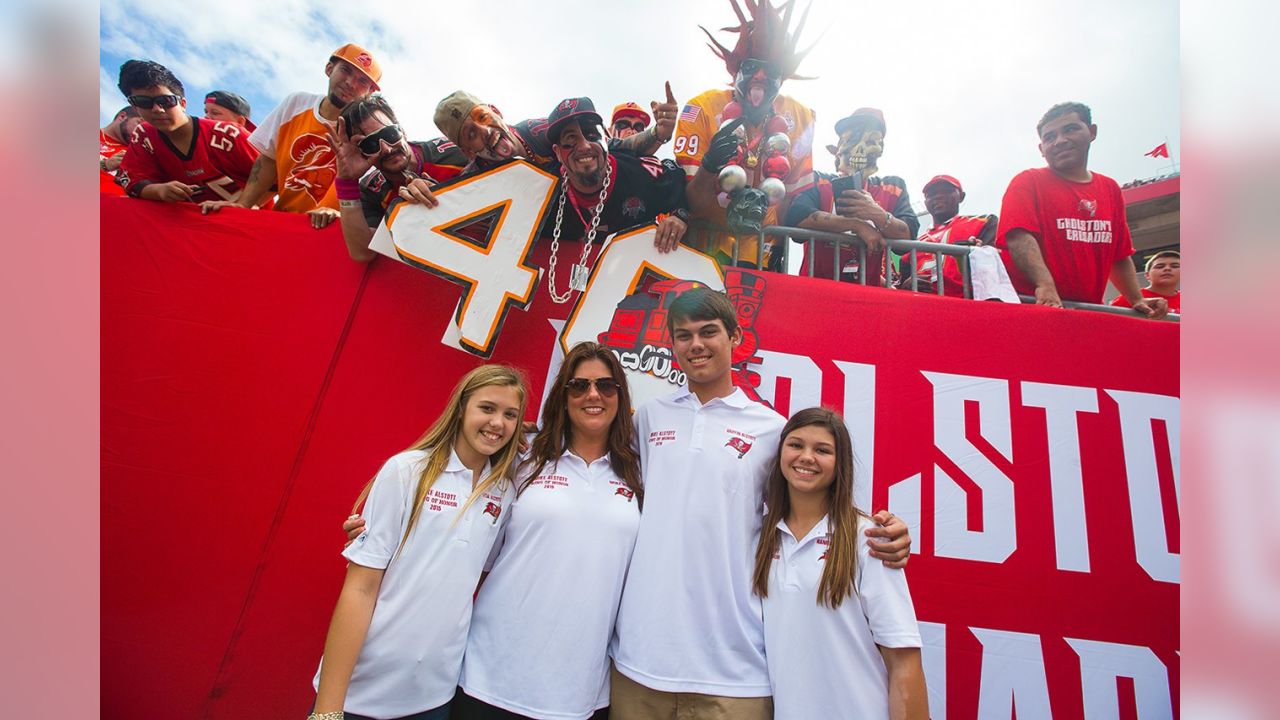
(218, 161)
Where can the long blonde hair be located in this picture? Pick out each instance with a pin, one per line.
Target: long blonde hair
(439, 439)
(842, 555)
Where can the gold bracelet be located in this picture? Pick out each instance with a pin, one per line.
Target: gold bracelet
(334, 715)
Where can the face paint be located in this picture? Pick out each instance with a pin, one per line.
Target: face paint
(755, 88)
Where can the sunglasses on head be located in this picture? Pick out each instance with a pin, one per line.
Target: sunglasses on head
(145, 102)
(637, 125)
(607, 387)
(372, 144)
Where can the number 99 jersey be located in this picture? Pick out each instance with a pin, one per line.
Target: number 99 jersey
(218, 161)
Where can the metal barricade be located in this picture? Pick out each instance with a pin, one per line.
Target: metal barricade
(701, 233)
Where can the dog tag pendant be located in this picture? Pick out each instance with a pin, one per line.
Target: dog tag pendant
(578, 277)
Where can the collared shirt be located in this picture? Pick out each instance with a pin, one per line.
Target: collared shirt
(689, 621)
(412, 653)
(823, 662)
(539, 641)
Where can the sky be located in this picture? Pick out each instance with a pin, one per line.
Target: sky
(961, 85)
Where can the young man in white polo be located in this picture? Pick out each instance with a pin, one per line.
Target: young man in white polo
(689, 638)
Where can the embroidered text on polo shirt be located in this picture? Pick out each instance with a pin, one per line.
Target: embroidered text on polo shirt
(658, 438)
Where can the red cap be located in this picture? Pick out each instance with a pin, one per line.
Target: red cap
(629, 109)
(943, 178)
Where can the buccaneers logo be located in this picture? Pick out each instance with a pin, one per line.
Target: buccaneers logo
(639, 324)
(737, 443)
(627, 493)
(492, 508)
(1089, 206)
(314, 166)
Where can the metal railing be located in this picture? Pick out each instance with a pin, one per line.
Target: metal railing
(704, 232)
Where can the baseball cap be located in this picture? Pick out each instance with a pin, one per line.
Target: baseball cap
(943, 178)
(452, 111)
(363, 61)
(233, 102)
(1161, 254)
(871, 112)
(629, 109)
(570, 109)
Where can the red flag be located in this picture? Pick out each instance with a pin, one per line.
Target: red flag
(1161, 150)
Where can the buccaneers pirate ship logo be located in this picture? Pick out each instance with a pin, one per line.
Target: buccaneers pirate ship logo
(638, 331)
(314, 166)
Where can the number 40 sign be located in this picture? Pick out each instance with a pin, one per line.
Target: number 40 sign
(481, 237)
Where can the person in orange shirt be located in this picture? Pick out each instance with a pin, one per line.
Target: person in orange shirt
(113, 140)
(296, 152)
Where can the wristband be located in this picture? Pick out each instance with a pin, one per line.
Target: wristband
(355, 204)
(347, 189)
(681, 213)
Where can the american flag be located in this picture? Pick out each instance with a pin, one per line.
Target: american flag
(690, 113)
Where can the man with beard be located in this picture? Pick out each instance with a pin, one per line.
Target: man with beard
(369, 136)
(483, 135)
(764, 56)
(297, 155)
(113, 141)
(1063, 231)
(174, 157)
(603, 192)
(879, 210)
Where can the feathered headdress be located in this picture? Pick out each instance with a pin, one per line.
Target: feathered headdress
(764, 37)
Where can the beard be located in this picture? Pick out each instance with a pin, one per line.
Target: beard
(337, 101)
(587, 181)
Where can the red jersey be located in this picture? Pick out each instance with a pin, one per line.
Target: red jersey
(218, 161)
(1080, 228)
(1175, 300)
(955, 230)
(109, 147)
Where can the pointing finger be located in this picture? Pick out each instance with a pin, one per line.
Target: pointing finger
(670, 97)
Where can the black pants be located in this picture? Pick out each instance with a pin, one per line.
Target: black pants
(466, 707)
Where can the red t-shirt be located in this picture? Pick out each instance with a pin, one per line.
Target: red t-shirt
(957, 229)
(109, 147)
(1080, 228)
(219, 160)
(1175, 300)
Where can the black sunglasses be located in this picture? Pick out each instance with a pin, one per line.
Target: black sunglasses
(751, 65)
(145, 102)
(372, 144)
(607, 387)
(637, 125)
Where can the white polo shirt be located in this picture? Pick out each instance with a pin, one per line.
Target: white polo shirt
(824, 663)
(413, 651)
(689, 621)
(539, 641)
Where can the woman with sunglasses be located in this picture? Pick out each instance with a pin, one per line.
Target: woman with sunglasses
(395, 643)
(539, 639)
(840, 630)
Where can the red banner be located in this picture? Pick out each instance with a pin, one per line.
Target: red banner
(253, 378)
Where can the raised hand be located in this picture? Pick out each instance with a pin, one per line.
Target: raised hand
(352, 164)
(664, 116)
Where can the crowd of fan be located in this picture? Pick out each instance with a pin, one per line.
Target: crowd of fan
(743, 161)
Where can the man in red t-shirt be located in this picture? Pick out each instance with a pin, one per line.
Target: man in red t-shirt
(1164, 275)
(113, 140)
(942, 197)
(172, 156)
(1062, 228)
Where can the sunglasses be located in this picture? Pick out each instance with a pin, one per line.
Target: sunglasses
(751, 65)
(372, 144)
(638, 125)
(145, 102)
(607, 387)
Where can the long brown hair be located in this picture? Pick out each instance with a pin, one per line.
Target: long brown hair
(842, 555)
(554, 437)
(438, 441)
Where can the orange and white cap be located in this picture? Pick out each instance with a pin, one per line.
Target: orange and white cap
(362, 60)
